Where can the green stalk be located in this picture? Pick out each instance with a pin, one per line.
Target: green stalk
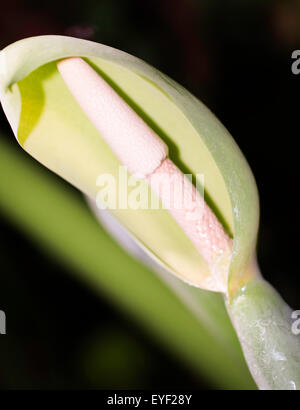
(58, 220)
(263, 322)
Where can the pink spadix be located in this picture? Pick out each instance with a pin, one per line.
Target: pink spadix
(134, 143)
(143, 152)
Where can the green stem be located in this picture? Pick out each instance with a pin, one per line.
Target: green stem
(264, 325)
